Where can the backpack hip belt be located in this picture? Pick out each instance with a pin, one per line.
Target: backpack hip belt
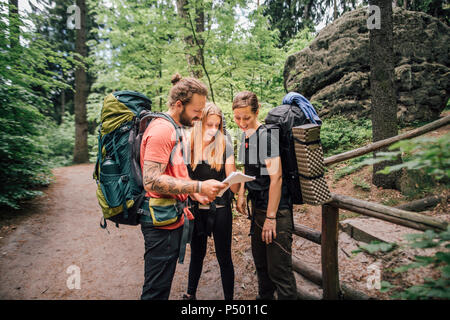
(148, 212)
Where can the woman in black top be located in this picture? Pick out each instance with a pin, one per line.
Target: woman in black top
(271, 204)
(212, 157)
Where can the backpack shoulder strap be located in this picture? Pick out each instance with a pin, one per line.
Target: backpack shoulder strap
(179, 138)
(145, 120)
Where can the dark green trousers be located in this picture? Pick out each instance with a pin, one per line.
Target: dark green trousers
(273, 261)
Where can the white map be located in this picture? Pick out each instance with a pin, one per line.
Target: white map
(235, 177)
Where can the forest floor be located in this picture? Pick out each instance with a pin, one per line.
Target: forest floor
(60, 229)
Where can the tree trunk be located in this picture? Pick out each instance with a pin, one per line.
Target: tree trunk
(63, 104)
(308, 10)
(194, 60)
(231, 88)
(422, 204)
(81, 152)
(14, 31)
(199, 29)
(335, 11)
(160, 87)
(405, 4)
(383, 100)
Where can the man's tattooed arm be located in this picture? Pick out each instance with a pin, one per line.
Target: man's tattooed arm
(155, 180)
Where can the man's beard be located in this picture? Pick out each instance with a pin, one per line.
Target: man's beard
(185, 121)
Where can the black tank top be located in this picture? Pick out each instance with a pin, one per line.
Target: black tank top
(203, 172)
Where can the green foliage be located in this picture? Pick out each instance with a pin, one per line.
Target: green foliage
(22, 165)
(431, 288)
(360, 183)
(423, 153)
(339, 134)
(300, 41)
(375, 246)
(60, 142)
(438, 288)
(25, 86)
(285, 17)
(386, 286)
(136, 48)
(236, 56)
(351, 166)
(430, 154)
(317, 105)
(260, 61)
(436, 8)
(289, 17)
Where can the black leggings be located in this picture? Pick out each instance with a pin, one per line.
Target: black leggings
(221, 231)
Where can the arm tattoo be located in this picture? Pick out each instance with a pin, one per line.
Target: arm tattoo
(156, 180)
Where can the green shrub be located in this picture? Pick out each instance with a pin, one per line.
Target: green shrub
(317, 105)
(61, 141)
(22, 150)
(359, 182)
(300, 41)
(428, 154)
(431, 288)
(26, 87)
(351, 166)
(339, 134)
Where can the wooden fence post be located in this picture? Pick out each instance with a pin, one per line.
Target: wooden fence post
(329, 248)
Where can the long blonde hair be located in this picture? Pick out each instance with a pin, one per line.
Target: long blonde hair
(216, 148)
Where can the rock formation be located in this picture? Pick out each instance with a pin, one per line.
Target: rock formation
(334, 70)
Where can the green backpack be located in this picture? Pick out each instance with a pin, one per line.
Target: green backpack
(124, 117)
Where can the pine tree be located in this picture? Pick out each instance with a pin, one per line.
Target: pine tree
(383, 99)
(81, 151)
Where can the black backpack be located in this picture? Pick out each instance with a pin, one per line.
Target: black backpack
(284, 118)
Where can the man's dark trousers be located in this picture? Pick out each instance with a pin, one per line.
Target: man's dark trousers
(161, 253)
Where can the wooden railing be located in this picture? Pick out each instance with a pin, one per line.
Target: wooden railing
(327, 238)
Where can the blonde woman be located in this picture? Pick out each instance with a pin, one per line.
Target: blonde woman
(212, 157)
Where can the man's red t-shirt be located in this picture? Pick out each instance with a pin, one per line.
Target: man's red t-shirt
(157, 145)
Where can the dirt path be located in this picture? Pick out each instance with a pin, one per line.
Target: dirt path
(63, 230)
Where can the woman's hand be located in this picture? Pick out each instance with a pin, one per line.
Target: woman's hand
(269, 231)
(240, 205)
